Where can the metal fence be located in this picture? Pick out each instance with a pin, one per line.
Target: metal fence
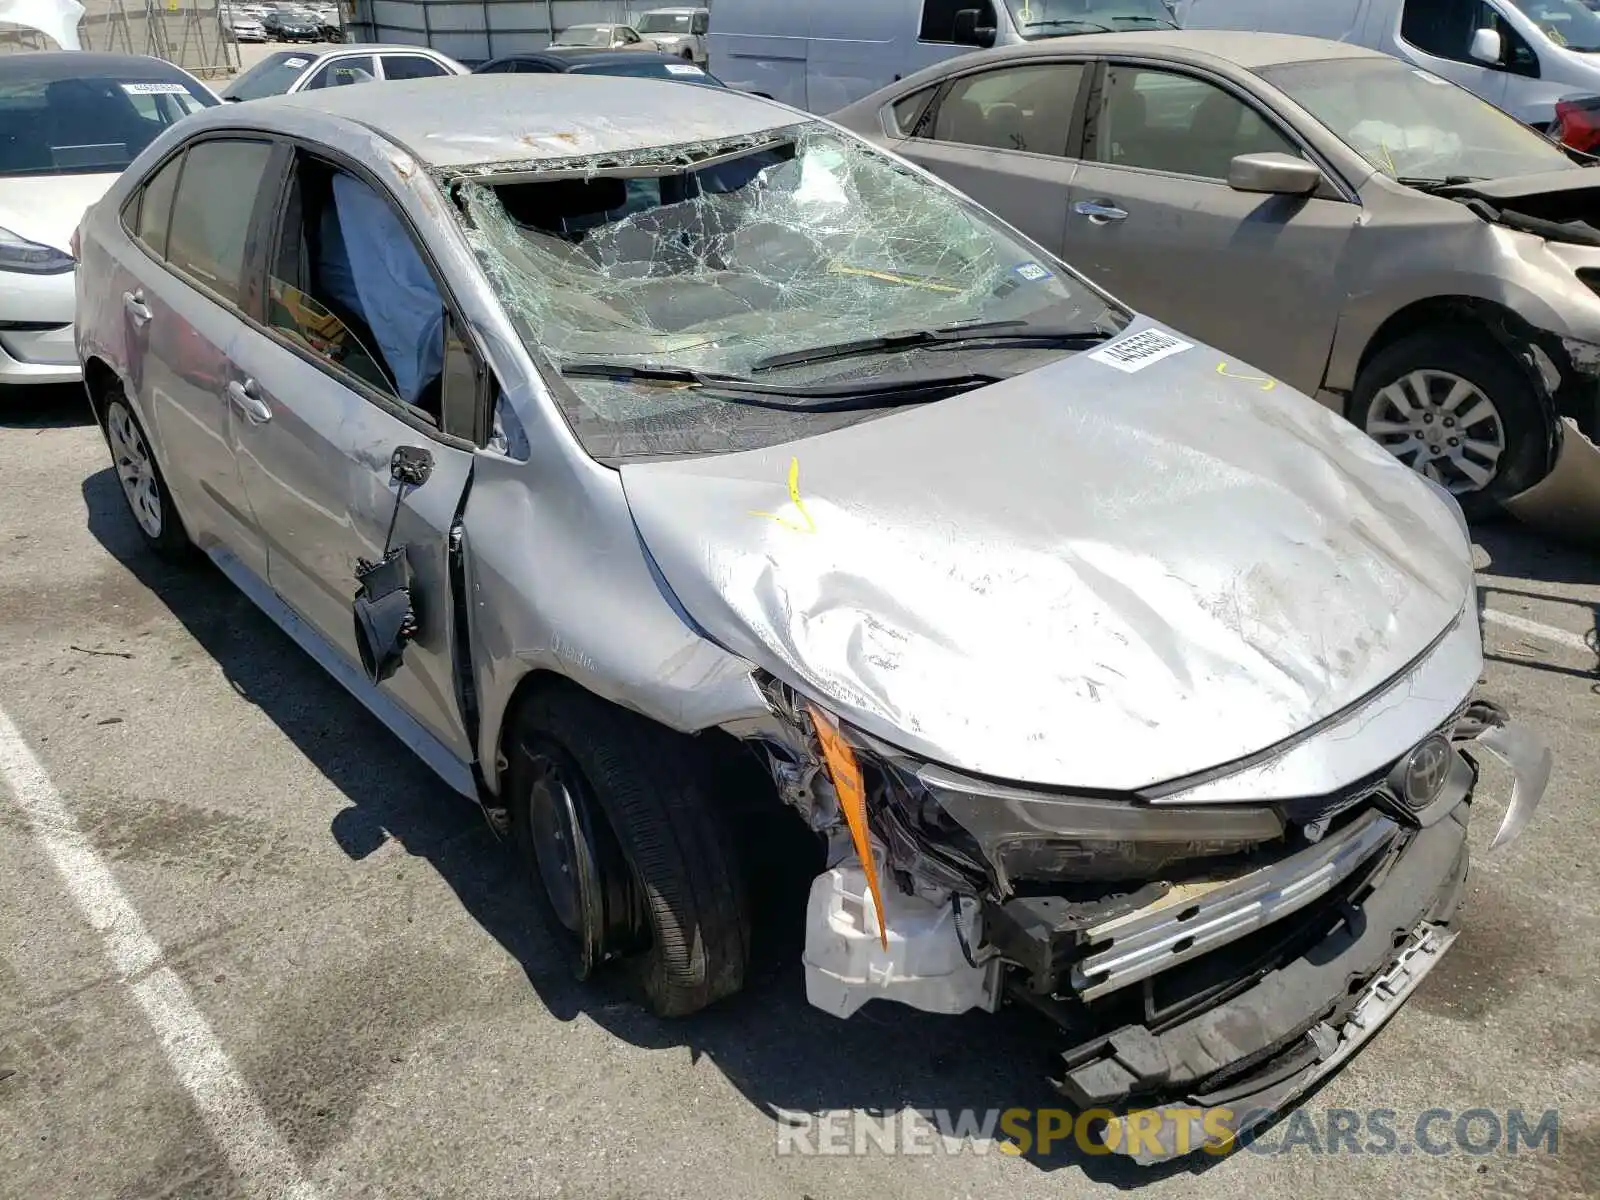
(189, 33)
(473, 30)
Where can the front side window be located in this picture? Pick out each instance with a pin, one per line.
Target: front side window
(212, 210)
(87, 125)
(939, 18)
(1162, 121)
(743, 267)
(1444, 29)
(1015, 108)
(343, 72)
(1412, 125)
(1052, 18)
(348, 284)
(410, 66)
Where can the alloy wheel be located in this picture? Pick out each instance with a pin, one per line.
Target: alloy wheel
(1442, 425)
(135, 469)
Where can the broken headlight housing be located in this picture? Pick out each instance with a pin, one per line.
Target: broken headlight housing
(951, 832)
(1064, 837)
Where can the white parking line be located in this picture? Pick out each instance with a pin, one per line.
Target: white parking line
(255, 1149)
(1558, 637)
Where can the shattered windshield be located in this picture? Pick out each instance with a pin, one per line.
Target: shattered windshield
(721, 258)
(1052, 18)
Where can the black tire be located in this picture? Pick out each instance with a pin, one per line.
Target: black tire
(654, 792)
(158, 524)
(1522, 415)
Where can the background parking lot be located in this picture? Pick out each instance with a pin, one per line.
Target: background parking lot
(358, 957)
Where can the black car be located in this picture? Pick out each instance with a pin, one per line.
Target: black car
(283, 25)
(637, 63)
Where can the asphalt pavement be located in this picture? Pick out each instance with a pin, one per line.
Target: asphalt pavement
(250, 947)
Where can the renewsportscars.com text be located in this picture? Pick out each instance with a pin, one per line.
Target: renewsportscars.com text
(1044, 1131)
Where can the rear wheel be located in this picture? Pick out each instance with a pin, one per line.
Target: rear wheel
(1459, 411)
(142, 484)
(617, 820)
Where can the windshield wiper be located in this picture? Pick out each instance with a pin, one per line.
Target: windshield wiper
(1424, 184)
(1165, 24)
(1060, 21)
(1010, 332)
(840, 395)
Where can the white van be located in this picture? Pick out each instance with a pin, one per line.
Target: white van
(1520, 55)
(820, 55)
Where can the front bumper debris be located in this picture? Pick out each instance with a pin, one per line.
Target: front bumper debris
(1179, 1130)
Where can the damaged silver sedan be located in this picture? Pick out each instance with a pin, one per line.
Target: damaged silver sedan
(651, 459)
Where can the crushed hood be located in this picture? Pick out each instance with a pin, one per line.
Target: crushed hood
(47, 208)
(1079, 577)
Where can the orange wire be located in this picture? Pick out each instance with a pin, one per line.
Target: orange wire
(852, 791)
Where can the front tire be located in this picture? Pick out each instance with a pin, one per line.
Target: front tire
(143, 486)
(1459, 410)
(617, 821)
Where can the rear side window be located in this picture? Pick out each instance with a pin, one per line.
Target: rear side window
(152, 209)
(212, 211)
(1015, 108)
(908, 110)
(410, 66)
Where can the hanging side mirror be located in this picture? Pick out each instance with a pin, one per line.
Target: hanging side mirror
(385, 617)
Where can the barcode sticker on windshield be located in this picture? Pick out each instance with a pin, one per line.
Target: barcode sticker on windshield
(155, 89)
(683, 69)
(1135, 353)
(295, 62)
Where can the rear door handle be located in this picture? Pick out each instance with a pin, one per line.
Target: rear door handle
(137, 308)
(245, 398)
(1100, 211)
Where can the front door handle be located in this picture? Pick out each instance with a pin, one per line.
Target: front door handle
(137, 308)
(245, 397)
(1100, 212)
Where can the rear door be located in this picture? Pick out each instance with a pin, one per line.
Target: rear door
(1000, 135)
(183, 301)
(1153, 220)
(355, 357)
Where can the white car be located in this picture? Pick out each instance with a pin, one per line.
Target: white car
(69, 123)
(680, 31)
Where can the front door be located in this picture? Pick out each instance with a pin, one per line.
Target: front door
(1153, 221)
(1000, 136)
(350, 370)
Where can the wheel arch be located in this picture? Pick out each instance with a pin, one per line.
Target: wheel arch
(98, 380)
(1509, 330)
(728, 751)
